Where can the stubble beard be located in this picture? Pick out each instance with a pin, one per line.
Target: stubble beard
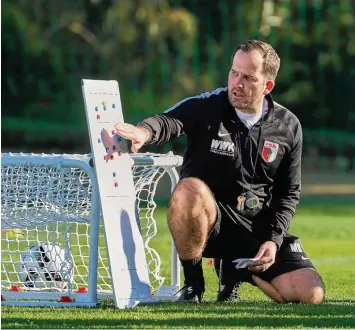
(247, 106)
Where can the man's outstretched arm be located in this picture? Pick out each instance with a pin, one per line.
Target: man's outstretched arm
(174, 122)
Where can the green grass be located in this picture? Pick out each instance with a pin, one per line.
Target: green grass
(328, 235)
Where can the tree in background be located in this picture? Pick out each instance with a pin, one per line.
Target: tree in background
(162, 51)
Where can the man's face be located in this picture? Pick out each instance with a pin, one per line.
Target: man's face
(246, 83)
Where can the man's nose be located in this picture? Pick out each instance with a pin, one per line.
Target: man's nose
(238, 82)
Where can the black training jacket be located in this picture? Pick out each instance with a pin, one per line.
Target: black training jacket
(223, 153)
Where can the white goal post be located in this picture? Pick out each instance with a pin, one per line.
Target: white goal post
(55, 199)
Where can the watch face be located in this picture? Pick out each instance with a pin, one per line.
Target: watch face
(251, 201)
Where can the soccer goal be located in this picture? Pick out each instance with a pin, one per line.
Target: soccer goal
(79, 228)
(54, 199)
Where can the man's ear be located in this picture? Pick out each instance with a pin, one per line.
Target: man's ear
(269, 86)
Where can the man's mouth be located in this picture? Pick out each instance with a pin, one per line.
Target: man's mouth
(238, 95)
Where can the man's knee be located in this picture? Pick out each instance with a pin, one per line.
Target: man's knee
(316, 295)
(302, 285)
(192, 196)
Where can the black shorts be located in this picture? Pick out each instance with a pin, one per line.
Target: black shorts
(230, 240)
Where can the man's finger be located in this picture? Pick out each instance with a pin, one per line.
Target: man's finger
(125, 134)
(121, 128)
(259, 262)
(262, 261)
(122, 131)
(135, 147)
(267, 259)
(118, 127)
(262, 264)
(260, 253)
(259, 268)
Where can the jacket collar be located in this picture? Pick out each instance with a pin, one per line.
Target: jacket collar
(267, 119)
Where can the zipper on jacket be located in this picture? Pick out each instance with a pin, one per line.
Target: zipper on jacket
(247, 138)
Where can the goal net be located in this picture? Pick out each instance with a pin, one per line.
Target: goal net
(53, 247)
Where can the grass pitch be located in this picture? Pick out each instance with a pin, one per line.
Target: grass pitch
(328, 236)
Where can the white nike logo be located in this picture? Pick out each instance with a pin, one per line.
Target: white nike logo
(221, 287)
(223, 134)
(304, 258)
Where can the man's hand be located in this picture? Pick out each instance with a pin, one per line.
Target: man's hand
(266, 257)
(138, 135)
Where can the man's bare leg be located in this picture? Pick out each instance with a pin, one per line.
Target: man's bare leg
(301, 285)
(268, 289)
(191, 216)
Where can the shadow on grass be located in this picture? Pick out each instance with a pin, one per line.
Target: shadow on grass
(332, 314)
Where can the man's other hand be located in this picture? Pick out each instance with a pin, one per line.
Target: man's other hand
(266, 257)
(138, 135)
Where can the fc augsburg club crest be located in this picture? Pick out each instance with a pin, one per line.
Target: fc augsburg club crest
(270, 151)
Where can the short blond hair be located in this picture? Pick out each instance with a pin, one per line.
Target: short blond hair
(271, 62)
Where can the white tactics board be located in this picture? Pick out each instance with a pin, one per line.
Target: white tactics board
(127, 261)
